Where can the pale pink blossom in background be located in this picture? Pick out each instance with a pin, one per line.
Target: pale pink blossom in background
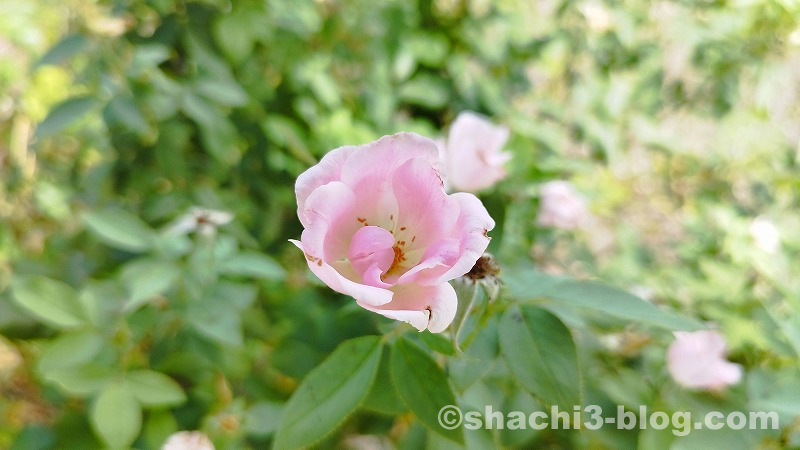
(473, 153)
(561, 206)
(188, 440)
(696, 360)
(765, 234)
(202, 220)
(380, 227)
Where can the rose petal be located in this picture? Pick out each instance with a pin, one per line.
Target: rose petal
(371, 254)
(376, 161)
(438, 258)
(365, 295)
(327, 170)
(426, 212)
(431, 307)
(330, 221)
(474, 152)
(473, 225)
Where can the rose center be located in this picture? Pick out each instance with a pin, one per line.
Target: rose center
(399, 257)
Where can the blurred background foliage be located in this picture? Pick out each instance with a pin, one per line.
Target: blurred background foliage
(679, 121)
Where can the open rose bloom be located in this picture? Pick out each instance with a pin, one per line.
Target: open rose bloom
(380, 227)
(697, 360)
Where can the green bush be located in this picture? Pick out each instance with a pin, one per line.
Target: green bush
(678, 120)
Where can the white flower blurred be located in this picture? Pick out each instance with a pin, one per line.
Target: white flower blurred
(597, 16)
(561, 206)
(696, 360)
(765, 234)
(188, 440)
(204, 221)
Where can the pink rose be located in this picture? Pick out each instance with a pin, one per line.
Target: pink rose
(380, 228)
(473, 153)
(697, 360)
(560, 206)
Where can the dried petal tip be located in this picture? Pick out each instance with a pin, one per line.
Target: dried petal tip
(485, 267)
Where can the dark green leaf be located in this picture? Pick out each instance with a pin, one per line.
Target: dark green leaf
(541, 355)
(423, 386)
(383, 396)
(122, 111)
(330, 393)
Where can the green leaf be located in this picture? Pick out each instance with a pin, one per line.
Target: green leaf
(330, 393)
(216, 321)
(262, 418)
(65, 114)
(223, 91)
(217, 132)
(147, 57)
(777, 391)
(425, 90)
(541, 355)
(478, 359)
(237, 296)
(383, 397)
(159, 425)
(252, 264)
(530, 285)
(70, 350)
(154, 389)
(65, 49)
(287, 133)
(146, 278)
(120, 229)
(83, 379)
(235, 40)
(429, 49)
(438, 342)
(122, 111)
(52, 301)
(423, 386)
(116, 415)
